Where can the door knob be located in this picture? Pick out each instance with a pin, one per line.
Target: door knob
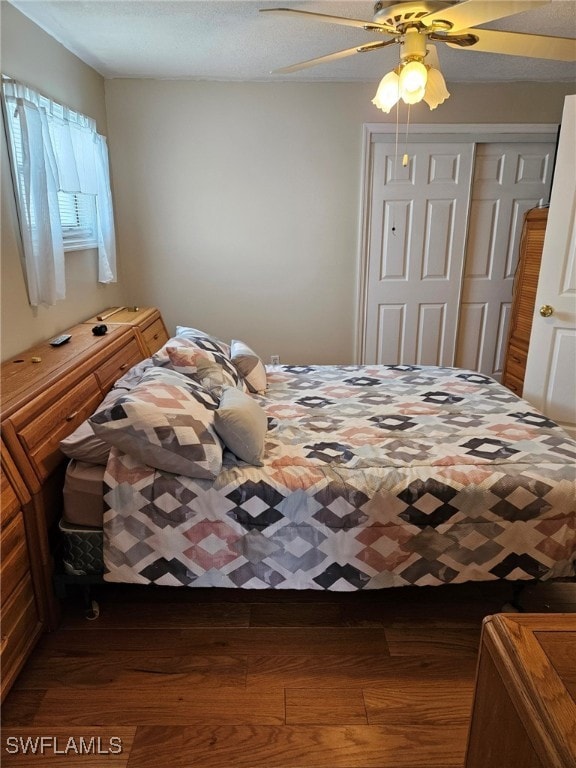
(546, 310)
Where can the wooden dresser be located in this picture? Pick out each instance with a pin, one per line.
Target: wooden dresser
(525, 285)
(524, 713)
(21, 586)
(46, 393)
(147, 320)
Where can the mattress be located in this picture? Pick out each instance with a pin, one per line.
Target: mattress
(83, 494)
(82, 549)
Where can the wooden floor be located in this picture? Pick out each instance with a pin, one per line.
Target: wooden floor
(232, 679)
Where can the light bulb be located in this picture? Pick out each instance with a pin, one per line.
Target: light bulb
(413, 82)
(388, 92)
(436, 91)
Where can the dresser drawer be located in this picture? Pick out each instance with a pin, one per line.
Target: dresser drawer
(155, 335)
(516, 362)
(513, 383)
(118, 364)
(14, 563)
(20, 630)
(9, 501)
(40, 431)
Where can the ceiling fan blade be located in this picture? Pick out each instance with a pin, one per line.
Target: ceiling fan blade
(370, 26)
(519, 44)
(334, 56)
(471, 12)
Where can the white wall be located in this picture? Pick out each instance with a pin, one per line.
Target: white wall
(238, 203)
(32, 56)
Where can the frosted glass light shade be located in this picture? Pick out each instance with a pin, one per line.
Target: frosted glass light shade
(413, 79)
(388, 92)
(436, 91)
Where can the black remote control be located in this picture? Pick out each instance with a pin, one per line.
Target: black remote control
(59, 340)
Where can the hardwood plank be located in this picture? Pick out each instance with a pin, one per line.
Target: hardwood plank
(410, 641)
(299, 746)
(296, 615)
(126, 669)
(20, 707)
(267, 679)
(176, 705)
(164, 615)
(67, 747)
(327, 706)
(354, 670)
(207, 640)
(425, 702)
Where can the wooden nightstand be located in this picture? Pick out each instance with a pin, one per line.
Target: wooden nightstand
(524, 713)
(147, 320)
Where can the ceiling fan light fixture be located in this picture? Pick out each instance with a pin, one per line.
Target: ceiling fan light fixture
(436, 92)
(413, 78)
(388, 92)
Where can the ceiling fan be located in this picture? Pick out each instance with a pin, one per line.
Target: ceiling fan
(413, 24)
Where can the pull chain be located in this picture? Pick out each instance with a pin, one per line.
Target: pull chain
(395, 165)
(405, 158)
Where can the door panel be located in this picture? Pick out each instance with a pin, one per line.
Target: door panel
(417, 232)
(551, 364)
(509, 179)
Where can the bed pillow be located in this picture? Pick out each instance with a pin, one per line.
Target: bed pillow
(195, 335)
(83, 444)
(164, 425)
(213, 377)
(242, 425)
(249, 365)
(187, 360)
(160, 357)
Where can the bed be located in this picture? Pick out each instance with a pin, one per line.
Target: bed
(354, 477)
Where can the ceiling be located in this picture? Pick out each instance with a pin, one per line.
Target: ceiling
(230, 40)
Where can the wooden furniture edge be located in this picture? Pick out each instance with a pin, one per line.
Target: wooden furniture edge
(518, 658)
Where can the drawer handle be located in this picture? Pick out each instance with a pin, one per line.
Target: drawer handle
(72, 416)
(155, 337)
(123, 366)
(3, 642)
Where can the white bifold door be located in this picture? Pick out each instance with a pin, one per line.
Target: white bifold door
(441, 248)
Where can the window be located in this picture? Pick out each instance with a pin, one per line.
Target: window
(78, 218)
(77, 210)
(62, 184)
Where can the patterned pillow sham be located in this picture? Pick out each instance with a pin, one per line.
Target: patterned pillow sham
(198, 337)
(242, 425)
(249, 365)
(187, 359)
(83, 444)
(164, 425)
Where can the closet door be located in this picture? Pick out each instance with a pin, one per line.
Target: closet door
(509, 180)
(441, 237)
(417, 235)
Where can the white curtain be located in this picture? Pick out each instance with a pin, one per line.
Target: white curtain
(61, 151)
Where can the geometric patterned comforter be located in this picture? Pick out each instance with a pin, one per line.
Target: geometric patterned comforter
(373, 476)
